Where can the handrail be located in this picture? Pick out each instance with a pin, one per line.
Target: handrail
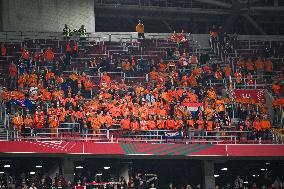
(108, 36)
(143, 136)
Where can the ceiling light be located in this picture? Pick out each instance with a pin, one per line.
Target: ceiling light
(32, 173)
(38, 166)
(7, 166)
(246, 182)
(79, 167)
(216, 176)
(1, 172)
(224, 169)
(106, 168)
(99, 174)
(267, 163)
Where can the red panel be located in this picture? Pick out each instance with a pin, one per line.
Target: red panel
(103, 148)
(255, 150)
(216, 150)
(41, 147)
(116, 149)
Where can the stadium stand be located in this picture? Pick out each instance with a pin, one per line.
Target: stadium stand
(119, 88)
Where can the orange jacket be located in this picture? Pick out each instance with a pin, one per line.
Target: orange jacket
(140, 28)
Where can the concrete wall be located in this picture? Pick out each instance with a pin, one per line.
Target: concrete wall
(47, 15)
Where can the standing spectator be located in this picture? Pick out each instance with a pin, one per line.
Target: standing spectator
(18, 123)
(221, 35)
(33, 186)
(3, 50)
(13, 71)
(213, 36)
(49, 55)
(79, 186)
(25, 54)
(238, 183)
(75, 49)
(277, 183)
(268, 66)
(140, 29)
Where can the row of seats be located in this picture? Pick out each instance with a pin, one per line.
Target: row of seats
(177, 97)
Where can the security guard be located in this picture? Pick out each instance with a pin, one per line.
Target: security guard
(66, 31)
(82, 32)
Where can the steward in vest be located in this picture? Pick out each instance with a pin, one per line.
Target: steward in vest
(82, 32)
(66, 31)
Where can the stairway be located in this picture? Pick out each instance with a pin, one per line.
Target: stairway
(3, 133)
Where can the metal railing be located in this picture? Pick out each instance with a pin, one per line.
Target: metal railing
(151, 136)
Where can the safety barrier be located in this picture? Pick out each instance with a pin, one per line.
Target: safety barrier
(151, 136)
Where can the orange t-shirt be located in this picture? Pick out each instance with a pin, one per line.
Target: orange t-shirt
(257, 125)
(209, 125)
(49, 55)
(170, 124)
(108, 121)
(250, 66)
(125, 124)
(160, 124)
(265, 124)
(259, 65)
(268, 66)
(200, 124)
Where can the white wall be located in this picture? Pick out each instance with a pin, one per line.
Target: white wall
(47, 15)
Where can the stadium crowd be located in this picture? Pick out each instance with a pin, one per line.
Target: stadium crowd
(177, 97)
(42, 181)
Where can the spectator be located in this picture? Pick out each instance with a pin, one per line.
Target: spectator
(3, 50)
(140, 29)
(49, 55)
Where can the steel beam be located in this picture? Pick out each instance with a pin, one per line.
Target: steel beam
(254, 24)
(217, 3)
(265, 8)
(163, 9)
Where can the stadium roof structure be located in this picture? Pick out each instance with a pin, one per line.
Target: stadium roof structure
(241, 16)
